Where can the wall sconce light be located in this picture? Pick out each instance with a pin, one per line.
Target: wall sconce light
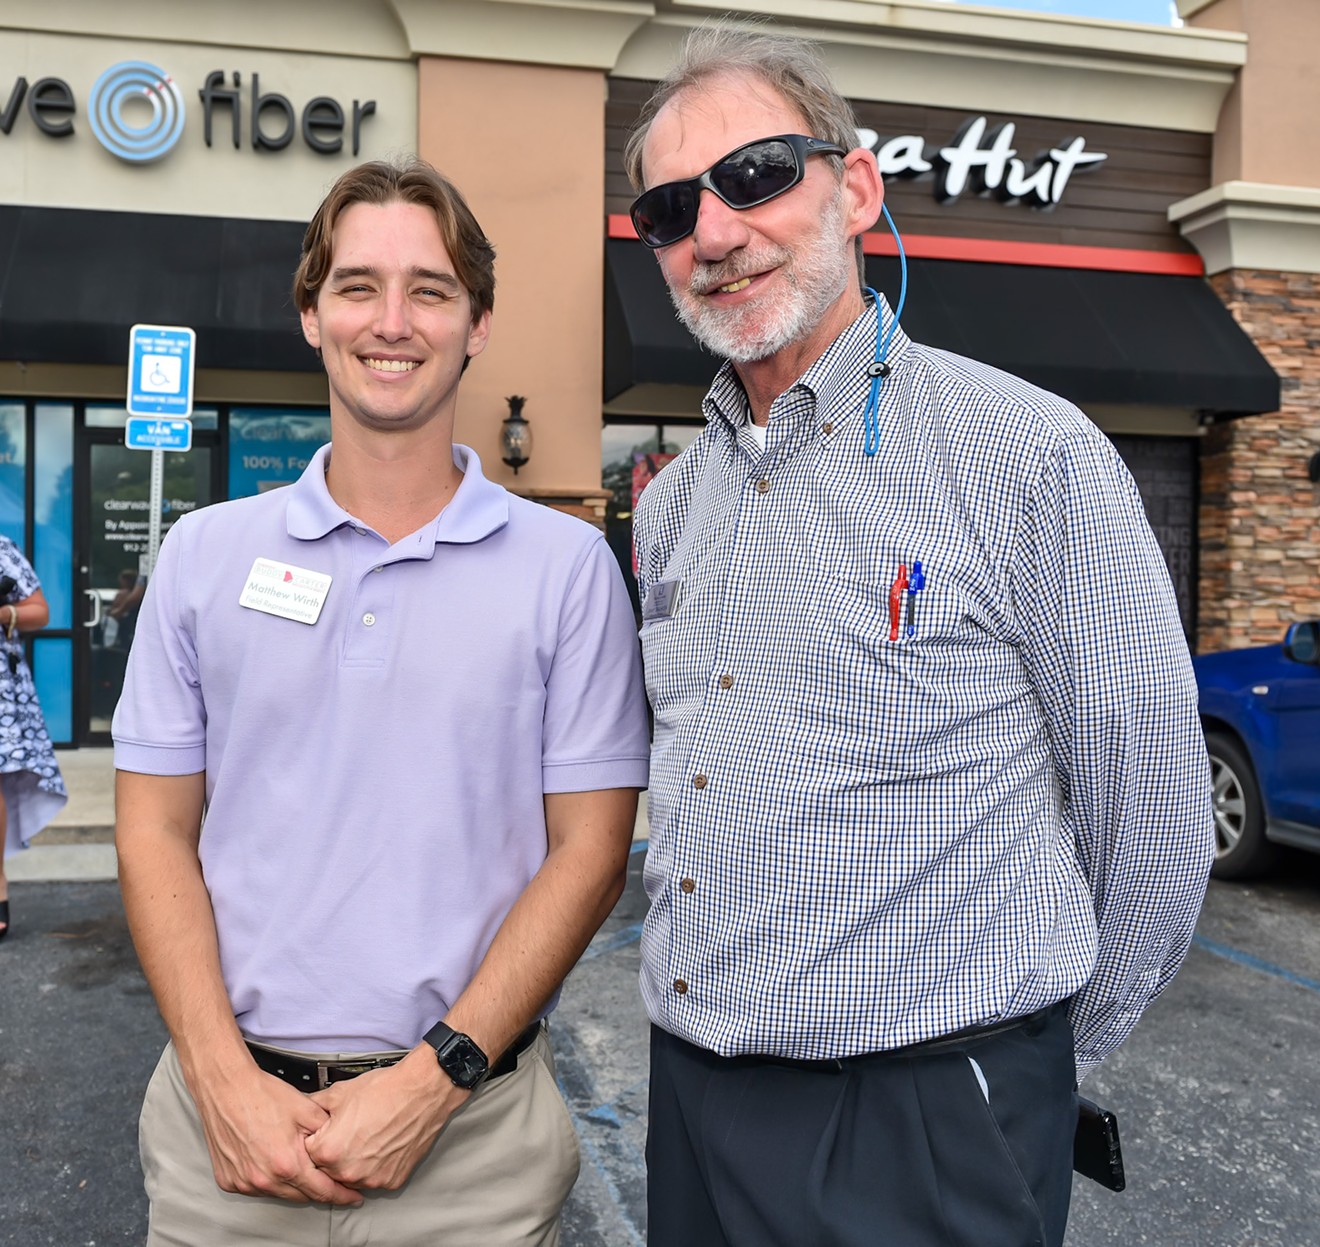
(516, 434)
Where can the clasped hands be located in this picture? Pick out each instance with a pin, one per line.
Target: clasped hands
(267, 1138)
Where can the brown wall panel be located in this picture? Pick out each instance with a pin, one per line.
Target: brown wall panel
(1122, 202)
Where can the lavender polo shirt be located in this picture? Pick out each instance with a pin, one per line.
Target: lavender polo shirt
(374, 781)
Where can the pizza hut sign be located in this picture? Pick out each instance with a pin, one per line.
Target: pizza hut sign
(985, 162)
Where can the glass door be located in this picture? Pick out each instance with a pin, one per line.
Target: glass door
(112, 564)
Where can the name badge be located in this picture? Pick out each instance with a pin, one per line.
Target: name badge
(287, 591)
(662, 599)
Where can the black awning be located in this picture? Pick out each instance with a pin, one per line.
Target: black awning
(1093, 337)
(73, 282)
(644, 341)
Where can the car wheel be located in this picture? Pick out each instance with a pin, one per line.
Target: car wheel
(1241, 849)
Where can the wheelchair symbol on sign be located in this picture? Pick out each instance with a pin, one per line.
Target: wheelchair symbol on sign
(161, 374)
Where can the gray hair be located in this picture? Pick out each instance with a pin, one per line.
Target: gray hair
(795, 68)
(792, 67)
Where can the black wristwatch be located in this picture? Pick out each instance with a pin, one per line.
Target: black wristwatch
(458, 1056)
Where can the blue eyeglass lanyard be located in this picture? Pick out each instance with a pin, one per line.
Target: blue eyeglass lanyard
(879, 370)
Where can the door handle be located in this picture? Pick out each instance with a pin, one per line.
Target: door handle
(96, 614)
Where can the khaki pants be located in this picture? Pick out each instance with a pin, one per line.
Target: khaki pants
(497, 1176)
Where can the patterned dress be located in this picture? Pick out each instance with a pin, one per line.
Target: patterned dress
(29, 775)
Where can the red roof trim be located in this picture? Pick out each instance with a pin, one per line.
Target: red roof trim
(992, 251)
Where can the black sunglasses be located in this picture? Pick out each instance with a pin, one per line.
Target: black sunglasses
(750, 175)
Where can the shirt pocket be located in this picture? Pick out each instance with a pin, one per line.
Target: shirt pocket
(895, 697)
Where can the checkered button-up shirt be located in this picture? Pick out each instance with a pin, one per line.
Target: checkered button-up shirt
(864, 833)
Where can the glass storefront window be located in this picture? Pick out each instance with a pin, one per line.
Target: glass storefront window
(270, 446)
(1165, 470)
(52, 540)
(13, 473)
(631, 454)
(52, 671)
(117, 540)
(108, 416)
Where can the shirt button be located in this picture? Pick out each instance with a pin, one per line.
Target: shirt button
(698, 781)
(726, 681)
(368, 619)
(762, 486)
(378, 569)
(680, 987)
(827, 428)
(689, 886)
(361, 532)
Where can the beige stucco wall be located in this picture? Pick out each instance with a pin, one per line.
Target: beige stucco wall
(952, 56)
(524, 144)
(76, 171)
(1267, 128)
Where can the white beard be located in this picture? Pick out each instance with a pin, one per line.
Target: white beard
(815, 273)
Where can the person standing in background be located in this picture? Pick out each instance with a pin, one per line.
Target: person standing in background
(31, 786)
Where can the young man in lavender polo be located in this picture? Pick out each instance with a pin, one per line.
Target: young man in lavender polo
(409, 705)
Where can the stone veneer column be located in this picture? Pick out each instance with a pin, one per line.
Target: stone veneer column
(1260, 514)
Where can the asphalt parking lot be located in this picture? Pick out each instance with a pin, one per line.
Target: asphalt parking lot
(1216, 1093)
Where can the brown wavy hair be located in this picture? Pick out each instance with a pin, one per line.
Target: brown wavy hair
(416, 182)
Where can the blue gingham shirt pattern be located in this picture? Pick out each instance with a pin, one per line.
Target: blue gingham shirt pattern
(859, 843)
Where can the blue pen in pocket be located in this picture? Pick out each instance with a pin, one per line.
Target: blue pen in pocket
(916, 583)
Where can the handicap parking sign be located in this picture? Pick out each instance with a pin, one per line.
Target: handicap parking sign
(160, 370)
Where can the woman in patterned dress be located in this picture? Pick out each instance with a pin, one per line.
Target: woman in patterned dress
(31, 787)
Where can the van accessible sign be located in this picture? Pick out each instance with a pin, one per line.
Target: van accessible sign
(146, 433)
(136, 111)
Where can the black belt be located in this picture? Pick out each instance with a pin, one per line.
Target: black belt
(927, 1047)
(308, 1074)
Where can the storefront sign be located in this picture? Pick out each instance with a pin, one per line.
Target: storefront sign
(136, 111)
(985, 161)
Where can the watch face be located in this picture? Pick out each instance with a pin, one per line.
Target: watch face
(463, 1061)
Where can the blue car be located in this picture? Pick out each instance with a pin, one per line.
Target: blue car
(1260, 709)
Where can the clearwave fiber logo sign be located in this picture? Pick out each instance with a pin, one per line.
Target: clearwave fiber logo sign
(136, 112)
(118, 94)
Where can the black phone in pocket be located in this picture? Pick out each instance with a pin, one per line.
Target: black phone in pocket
(1097, 1153)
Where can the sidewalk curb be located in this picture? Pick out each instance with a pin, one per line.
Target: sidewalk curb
(63, 863)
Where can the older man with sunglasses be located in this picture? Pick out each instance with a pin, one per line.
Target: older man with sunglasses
(927, 833)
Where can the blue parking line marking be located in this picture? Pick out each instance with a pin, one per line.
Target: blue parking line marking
(638, 846)
(586, 1145)
(613, 942)
(1254, 963)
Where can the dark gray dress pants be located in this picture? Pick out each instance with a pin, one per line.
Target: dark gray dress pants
(883, 1151)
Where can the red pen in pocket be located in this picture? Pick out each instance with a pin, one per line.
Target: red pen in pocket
(896, 600)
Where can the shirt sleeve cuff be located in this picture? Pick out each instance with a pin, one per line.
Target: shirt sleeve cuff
(594, 776)
(159, 759)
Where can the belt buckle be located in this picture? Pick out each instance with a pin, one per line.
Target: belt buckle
(346, 1070)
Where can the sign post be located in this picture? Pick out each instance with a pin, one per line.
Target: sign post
(161, 366)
